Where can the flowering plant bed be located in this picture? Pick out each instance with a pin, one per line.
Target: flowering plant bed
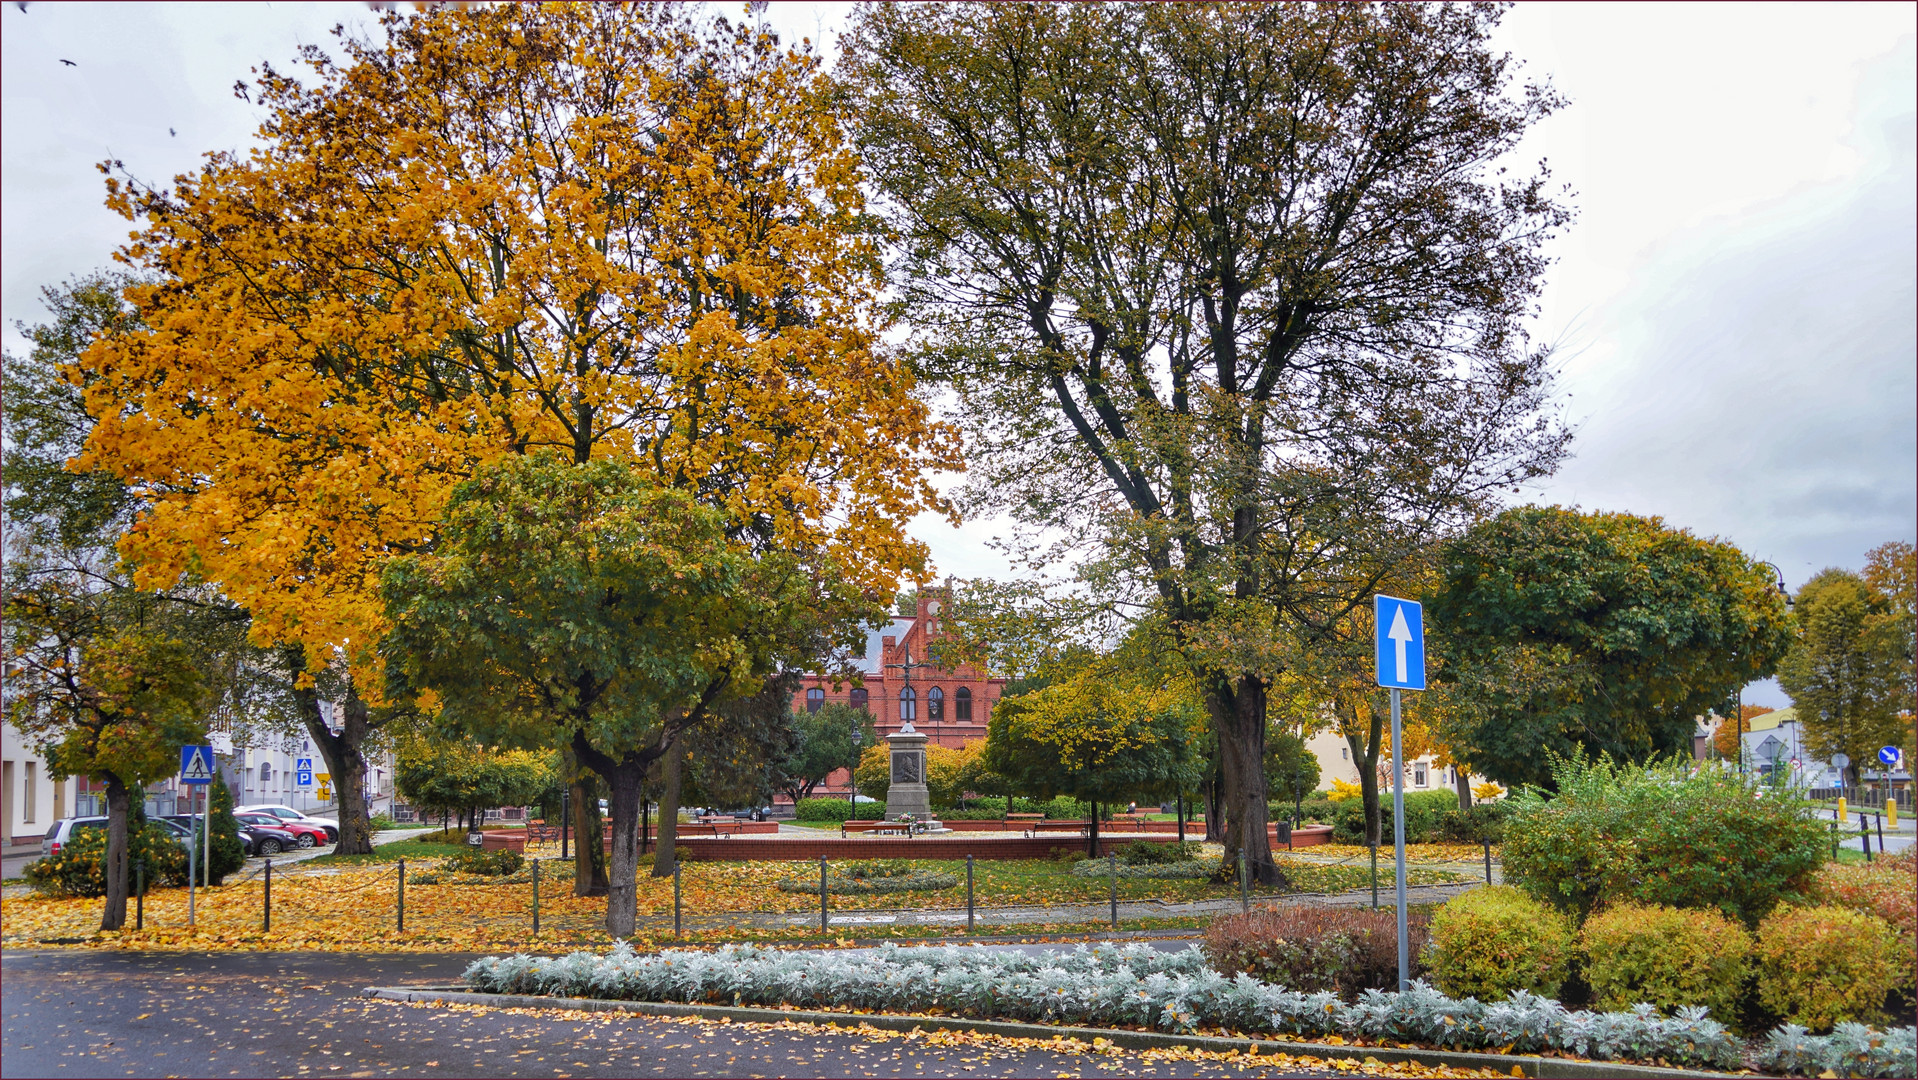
(1134, 985)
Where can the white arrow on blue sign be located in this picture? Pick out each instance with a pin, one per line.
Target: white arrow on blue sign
(196, 764)
(1888, 754)
(1400, 642)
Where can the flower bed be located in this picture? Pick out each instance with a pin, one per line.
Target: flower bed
(1138, 986)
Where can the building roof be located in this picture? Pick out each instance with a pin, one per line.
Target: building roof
(1771, 720)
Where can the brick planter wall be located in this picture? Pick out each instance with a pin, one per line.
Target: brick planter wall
(889, 847)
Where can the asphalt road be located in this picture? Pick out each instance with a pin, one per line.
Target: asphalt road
(97, 1013)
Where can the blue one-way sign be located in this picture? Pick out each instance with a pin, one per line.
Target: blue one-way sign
(1400, 642)
(1888, 754)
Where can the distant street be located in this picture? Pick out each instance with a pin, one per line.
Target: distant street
(94, 1013)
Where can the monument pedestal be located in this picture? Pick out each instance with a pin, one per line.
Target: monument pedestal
(907, 793)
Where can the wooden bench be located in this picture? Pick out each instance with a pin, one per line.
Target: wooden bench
(1136, 821)
(877, 828)
(1049, 825)
(717, 826)
(538, 832)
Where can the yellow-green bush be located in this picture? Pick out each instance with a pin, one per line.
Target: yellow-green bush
(1822, 966)
(80, 867)
(1881, 888)
(1494, 940)
(1665, 957)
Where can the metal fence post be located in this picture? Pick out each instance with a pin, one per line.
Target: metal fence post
(139, 894)
(822, 894)
(969, 922)
(1834, 841)
(1864, 836)
(266, 901)
(1879, 819)
(676, 898)
(535, 897)
(1488, 860)
(402, 896)
(1375, 877)
(1245, 901)
(1112, 867)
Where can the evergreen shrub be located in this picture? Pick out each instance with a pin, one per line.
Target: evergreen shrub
(1823, 966)
(1494, 941)
(1665, 956)
(487, 863)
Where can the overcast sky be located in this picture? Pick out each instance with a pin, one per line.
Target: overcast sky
(1735, 306)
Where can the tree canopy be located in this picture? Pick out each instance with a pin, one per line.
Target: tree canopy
(1599, 633)
(1229, 295)
(1848, 671)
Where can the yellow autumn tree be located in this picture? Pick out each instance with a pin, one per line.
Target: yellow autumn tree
(620, 232)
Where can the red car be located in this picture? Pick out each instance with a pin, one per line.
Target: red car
(306, 835)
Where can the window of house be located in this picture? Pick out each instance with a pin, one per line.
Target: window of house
(962, 704)
(266, 772)
(1418, 774)
(815, 700)
(935, 704)
(859, 697)
(1345, 753)
(908, 704)
(32, 793)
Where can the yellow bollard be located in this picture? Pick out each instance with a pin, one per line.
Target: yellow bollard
(1891, 811)
(1843, 820)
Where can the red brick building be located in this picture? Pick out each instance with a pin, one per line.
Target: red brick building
(950, 707)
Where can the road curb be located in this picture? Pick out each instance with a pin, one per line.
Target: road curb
(1542, 1067)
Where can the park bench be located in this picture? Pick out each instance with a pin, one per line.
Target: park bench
(1023, 821)
(717, 826)
(1057, 826)
(538, 832)
(847, 828)
(1136, 821)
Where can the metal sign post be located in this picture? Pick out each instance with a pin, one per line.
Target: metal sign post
(1399, 648)
(196, 769)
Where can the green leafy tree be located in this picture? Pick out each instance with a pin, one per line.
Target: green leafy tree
(1604, 633)
(580, 605)
(229, 853)
(1097, 740)
(1848, 672)
(823, 744)
(1230, 296)
(452, 774)
(1291, 768)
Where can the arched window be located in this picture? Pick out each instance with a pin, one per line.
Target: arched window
(815, 700)
(908, 704)
(859, 697)
(266, 771)
(962, 704)
(935, 704)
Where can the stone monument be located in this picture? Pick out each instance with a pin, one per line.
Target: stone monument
(908, 794)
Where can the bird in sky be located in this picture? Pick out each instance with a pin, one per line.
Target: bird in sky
(68, 63)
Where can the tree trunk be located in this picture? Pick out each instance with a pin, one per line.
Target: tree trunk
(1092, 849)
(622, 899)
(1239, 718)
(342, 753)
(589, 848)
(665, 852)
(1214, 808)
(1463, 784)
(115, 915)
(1367, 755)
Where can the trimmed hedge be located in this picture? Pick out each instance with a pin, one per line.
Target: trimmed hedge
(1424, 811)
(823, 810)
(1494, 941)
(80, 867)
(1345, 950)
(1665, 957)
(1823, 966)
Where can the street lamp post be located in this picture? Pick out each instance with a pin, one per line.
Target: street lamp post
(906, 669)
(854, 771)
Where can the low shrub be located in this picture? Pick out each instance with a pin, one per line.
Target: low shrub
(486, 863)
(1494, 941)
(971, 814)
(1823, 966)
(1158, 852)
(1476, 824)
(1424, 810)
(868, 877)
(1850, 1050)
(1061, 808)
(1882, 888)
(1664, 956)
(823, 810)
(80, 867)
(382, 822)
(1319, 811)
(452, 836)
(991, 806)
(1658, 834)
(1343, 950)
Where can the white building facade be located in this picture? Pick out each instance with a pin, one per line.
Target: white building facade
(33, 800)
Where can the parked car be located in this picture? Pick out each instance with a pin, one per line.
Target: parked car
(304, 835)
(62, 832)
(255, 839)
(287, 814)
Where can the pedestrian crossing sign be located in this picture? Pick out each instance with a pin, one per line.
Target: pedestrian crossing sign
(196, 764)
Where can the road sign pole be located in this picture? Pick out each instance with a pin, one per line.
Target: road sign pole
(1398, 835)
(192, 864)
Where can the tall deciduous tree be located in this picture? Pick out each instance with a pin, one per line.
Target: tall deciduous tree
(581, 605)
(1848, 672)
(1231, 295)
(1607, 632)
(617, 233)
(823, 744)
